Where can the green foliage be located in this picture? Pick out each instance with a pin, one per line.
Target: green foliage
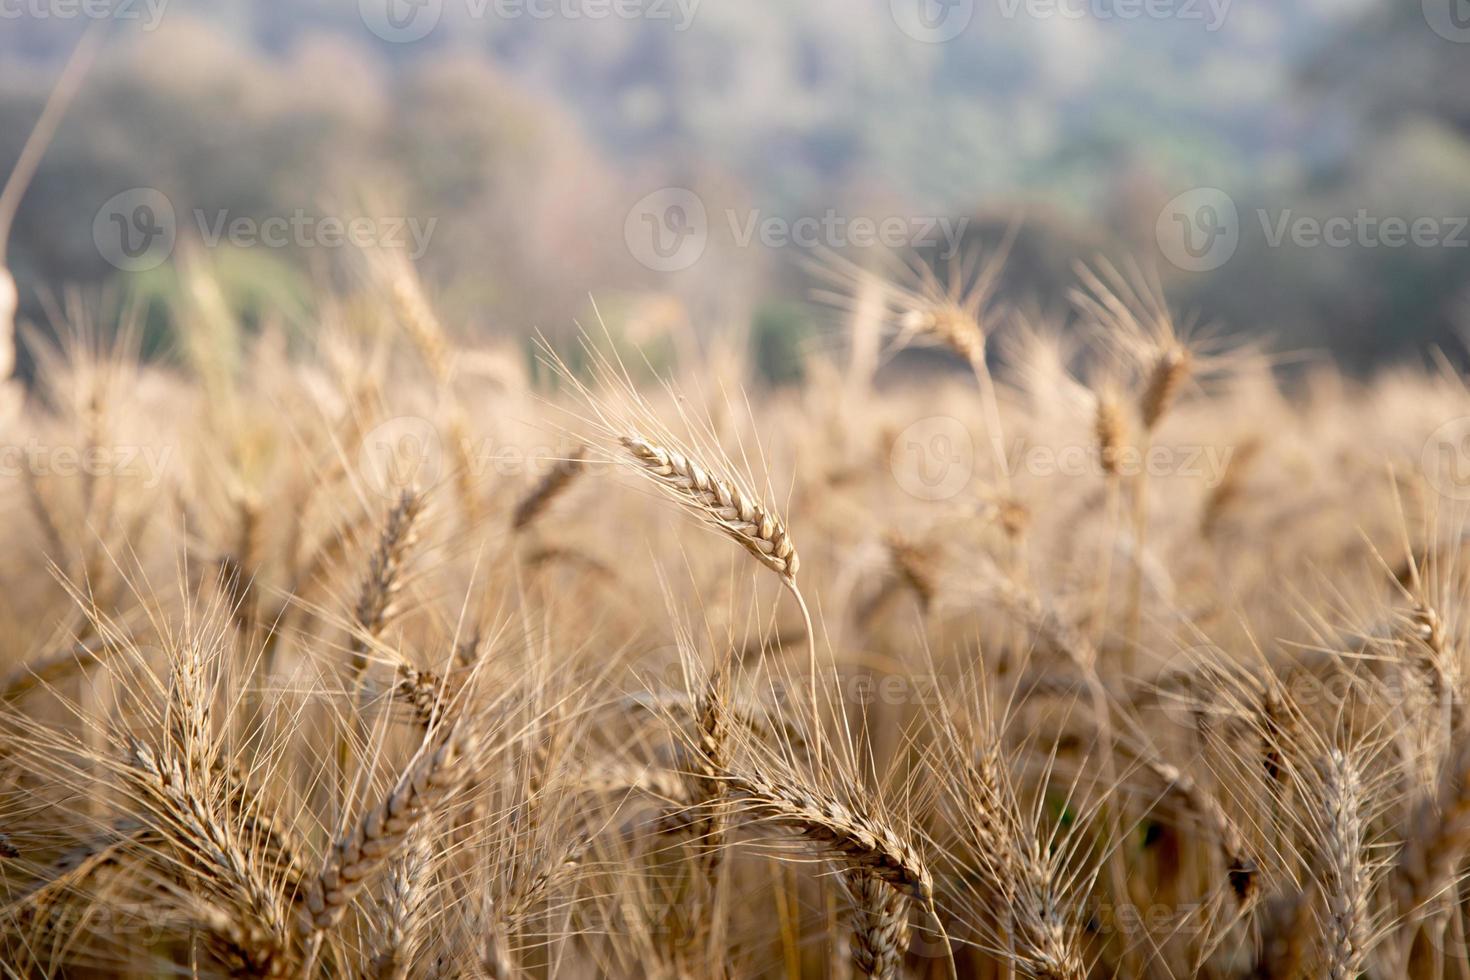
(778, 334)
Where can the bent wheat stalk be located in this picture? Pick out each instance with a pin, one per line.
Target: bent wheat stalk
(721, 503)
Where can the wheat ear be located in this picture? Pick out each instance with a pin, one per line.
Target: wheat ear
(375, 606)
(1110, 429)
(422, 788)
(880, 925)
(1170, 369)
(181, 812)
(551, 486)
(422, 692)
(1345, 879)
(755, 527)
(835, 831)
(403, 911)
(720, 502)
(712, 750)
(1432, 855)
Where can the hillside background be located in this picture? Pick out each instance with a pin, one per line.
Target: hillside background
(528, 139)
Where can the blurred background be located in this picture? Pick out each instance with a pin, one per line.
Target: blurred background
(1297, 169)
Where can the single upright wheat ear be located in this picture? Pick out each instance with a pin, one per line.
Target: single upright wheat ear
(880, 925)
(180, 806)
(1109, 427)
(913, 568)
(380, 586)
(1163, 384)
(721, 503)
(411, 307)
(1345, 881)
(403, 913)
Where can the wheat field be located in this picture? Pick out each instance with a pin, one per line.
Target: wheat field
(389, 655)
